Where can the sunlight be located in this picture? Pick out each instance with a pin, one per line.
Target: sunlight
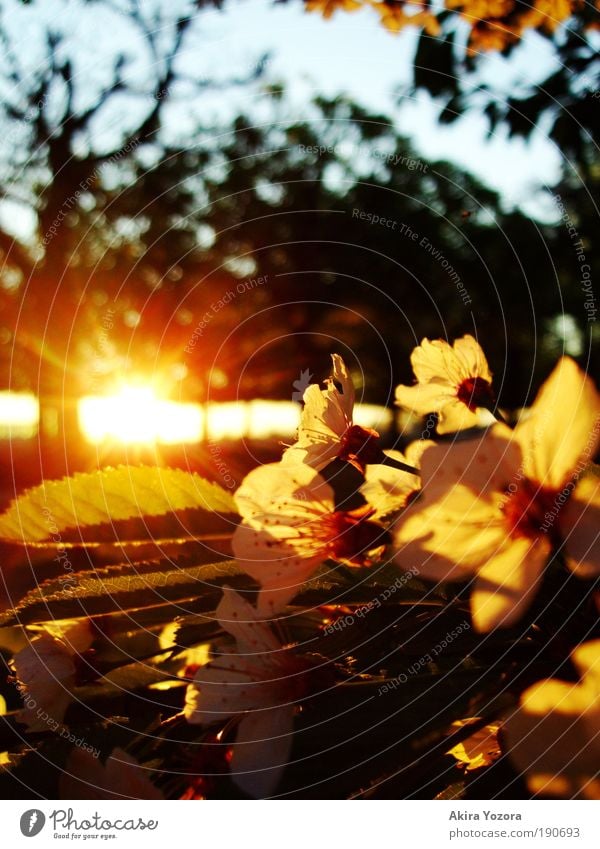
(375, 416)
(136, 415)
(227, 420)
(272, 418)
(19, 415)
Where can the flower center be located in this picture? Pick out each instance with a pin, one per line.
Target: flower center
(475, 392)
(360, 446)
(351, 536)
(531, 511)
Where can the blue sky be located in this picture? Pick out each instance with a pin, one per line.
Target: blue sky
(352, 53)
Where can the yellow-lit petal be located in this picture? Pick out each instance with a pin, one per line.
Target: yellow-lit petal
(485, 465)
(437, 360)
(508, 582)
(478, 750)
(579, 523)
(470, 354)
(563, 428)
(449, 539)
(587, 660)
(424, 398)
(456, 416)
(549, 741)
(387, 489)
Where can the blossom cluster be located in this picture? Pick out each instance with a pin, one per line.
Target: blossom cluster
(474, 509)
(485, 506)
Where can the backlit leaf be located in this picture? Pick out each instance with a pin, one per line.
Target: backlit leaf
(58, 511)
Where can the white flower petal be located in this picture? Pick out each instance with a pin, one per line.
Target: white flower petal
(326, 416)
(46, 669)
(387, 489)
(278, 491)
(241, 619)
(316, 451)
(280, 568)
(341, 376)
(232, 684)
(262, 750)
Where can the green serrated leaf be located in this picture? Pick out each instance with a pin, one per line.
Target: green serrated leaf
(55, 508)
(118, 589)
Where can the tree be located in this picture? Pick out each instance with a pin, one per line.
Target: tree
(155, 231)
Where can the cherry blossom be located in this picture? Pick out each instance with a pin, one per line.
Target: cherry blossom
(497, 507)
(290, 526)
(327, 431)
(46, 671)
(554, 735)
(262, 682)
(453, 381)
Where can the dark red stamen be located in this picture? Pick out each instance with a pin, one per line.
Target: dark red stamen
(531, 511)
(476, 392)
(352, 536)
(360, 446)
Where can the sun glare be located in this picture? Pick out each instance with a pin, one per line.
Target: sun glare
(19, 415)
(136, 415)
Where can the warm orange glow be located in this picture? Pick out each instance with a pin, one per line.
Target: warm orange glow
(19, 414)
(136, 415)
(373, 416)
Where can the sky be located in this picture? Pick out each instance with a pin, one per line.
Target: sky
(351, 54)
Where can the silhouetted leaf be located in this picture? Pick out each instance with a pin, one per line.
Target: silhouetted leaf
(119, 588)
